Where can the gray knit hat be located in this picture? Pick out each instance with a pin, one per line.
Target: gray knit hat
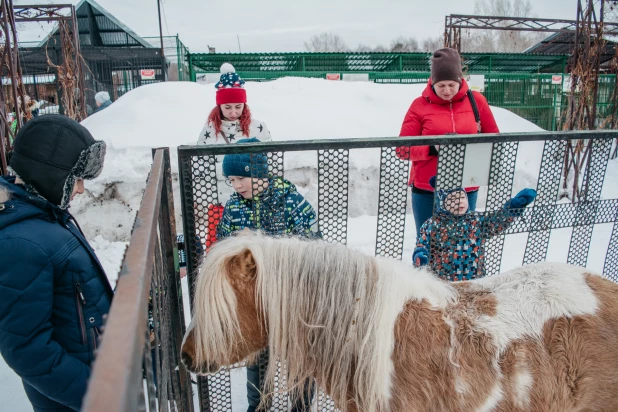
(446, 65)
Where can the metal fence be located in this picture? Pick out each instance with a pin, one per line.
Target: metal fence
(176, 54)
(332, 178)
(536, 97)
(138, 365)
(375, 62)
(116, 70)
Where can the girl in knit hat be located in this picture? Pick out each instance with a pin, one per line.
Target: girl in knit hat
(230, 120)
(445, 107)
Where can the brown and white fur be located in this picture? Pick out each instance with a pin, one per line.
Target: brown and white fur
(379, 335)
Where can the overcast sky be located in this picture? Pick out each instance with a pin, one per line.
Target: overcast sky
(283, 25)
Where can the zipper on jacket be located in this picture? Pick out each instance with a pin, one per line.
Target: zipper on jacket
(452, 116)
(80, 301)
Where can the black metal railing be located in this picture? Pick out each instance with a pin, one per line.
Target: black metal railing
(138, 365)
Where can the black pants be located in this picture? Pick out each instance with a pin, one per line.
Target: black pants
(255, 386)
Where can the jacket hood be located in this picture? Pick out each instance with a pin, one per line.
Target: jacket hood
(440, 196)
(432, 97)
(16, 204)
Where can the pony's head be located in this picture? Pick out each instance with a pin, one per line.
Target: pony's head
(325, 311)
(227, 325)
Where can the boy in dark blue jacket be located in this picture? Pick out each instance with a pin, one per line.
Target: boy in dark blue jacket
(452, 241)
(53, 290)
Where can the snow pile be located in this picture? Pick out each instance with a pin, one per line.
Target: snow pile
(172, 114)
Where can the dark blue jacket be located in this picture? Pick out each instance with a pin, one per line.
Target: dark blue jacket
(53, 295)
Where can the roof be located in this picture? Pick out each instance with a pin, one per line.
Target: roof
(562, 43)
(376, 62)
(99, 28)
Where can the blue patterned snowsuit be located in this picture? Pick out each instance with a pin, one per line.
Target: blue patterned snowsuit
(455, 244)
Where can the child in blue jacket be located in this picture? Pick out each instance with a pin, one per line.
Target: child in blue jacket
(274, 206)
(270, 204)
(452, 241)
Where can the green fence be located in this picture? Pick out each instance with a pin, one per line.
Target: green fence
(374, 62)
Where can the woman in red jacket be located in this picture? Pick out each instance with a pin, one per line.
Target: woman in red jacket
(444, 108)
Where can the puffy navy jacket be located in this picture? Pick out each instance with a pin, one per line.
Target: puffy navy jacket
(53, 295)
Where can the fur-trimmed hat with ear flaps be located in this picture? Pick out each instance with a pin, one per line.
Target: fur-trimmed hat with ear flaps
(230, 87)
(51, 152)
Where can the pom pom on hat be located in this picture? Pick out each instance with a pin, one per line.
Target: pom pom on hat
(227, 68)
(230, 87)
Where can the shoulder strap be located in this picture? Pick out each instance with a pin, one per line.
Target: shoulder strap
(475, 109)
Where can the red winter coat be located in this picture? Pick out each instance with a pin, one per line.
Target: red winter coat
(430, 115)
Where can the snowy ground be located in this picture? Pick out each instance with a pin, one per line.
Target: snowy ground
(172, 114)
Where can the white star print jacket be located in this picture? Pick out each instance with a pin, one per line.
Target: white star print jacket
(231, 130)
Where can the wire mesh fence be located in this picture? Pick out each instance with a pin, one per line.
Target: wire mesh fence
(497, 236)
(176, 54)
(116, 70)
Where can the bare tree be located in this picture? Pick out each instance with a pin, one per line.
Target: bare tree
(405, 45)
(363, 48)
(326, 42)
(498, 40)
(432, 44)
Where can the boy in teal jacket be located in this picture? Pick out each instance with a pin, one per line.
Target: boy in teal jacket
(274, 206)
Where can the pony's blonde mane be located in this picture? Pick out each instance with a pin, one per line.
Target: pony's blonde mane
(330, 312)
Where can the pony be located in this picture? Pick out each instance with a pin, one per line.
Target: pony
(379, 335)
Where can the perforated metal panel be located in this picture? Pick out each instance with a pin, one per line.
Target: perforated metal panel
(592, 184)
(391, 204)
(545, 203)
(501, 175)
(333, 179)
(204, 194)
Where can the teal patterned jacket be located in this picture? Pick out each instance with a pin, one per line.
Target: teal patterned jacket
(279, 210)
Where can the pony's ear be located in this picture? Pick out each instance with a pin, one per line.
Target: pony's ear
(241, 267)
